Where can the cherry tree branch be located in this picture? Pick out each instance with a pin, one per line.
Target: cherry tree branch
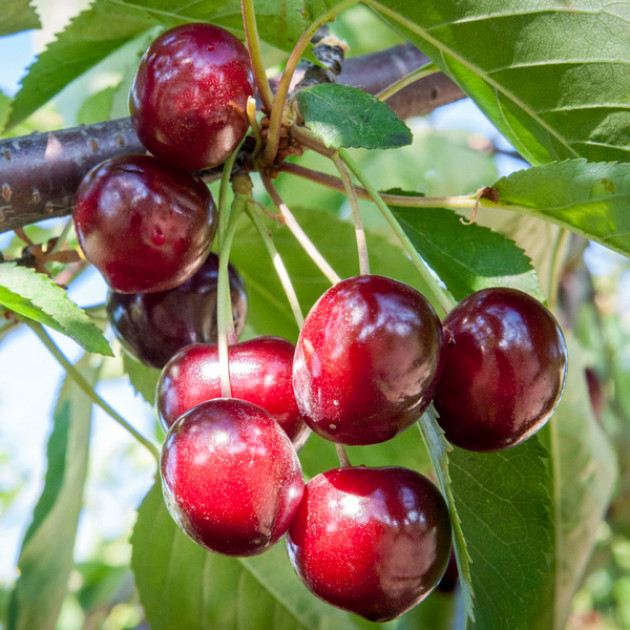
(39, 173)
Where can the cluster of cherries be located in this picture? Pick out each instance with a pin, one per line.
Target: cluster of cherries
(370, 358)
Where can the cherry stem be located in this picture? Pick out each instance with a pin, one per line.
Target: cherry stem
(298, 232)
(87, 389)
(253, 123)
(412, 77)
(255, 54)
(223, 208)
(364, 260)
(282, 89)
(342, 454)
(443, 296)
(254, 214)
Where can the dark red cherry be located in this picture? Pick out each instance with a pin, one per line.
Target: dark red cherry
(505, 366)
(145, 226)
(153, 326)
(260, 372)
(231, 477)
(367, 360)
(374, 541)
(188, 101)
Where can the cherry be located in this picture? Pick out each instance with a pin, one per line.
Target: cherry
(145, 226)
(188, 101)
(153, 326)
(374, 541)
(231, 477)
(505, 365)
(260, 372)
(367, 360)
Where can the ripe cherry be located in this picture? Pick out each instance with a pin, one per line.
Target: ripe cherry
(154, 326)
(231, 477)
(374, 541)
(260, 372)
(367, 360)
(188, 101)
(505, 365)
(144, 226)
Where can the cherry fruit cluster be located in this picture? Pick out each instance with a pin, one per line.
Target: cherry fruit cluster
(371, 357)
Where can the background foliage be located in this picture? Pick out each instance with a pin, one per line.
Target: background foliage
(553, 78)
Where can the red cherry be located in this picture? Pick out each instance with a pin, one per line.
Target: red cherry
(367, 360)
(154, 326)
(144, 226)
(505, 365)
(188, 101)
(260, 372)
(374, 541)
(231, 477)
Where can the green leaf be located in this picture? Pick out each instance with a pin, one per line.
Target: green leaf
(45, 559)
(88, 39)
(585, 471)
(505, 502)
(467, 257)
(588, 198)
(36, 296)
(343, 116)
(17, 15)
(279, 22)
(439, 450)
(552, 76)
(183, 586)
(143, 378)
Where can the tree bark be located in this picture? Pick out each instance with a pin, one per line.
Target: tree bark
(40, 173)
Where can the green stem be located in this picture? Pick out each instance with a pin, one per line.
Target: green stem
(298, 232)
(282, 89)
(364, 260)
(255, 54)
(342, 454)
(223, 208)
(87, 389)
(225, 321)
(445, 299)
(278, 263)
(412, 77)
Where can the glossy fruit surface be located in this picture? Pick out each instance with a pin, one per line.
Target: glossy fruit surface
(154, 326)
(367, 360)
(373, 541)
(260, 372)
(231, 477)
(189, 97)
(144, 226)
(504, 369)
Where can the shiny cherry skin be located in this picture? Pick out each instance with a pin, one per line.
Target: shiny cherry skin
(145, 226)
(367, 360)
(153, 326)
(505, 366)
(373, 541)
(260, 372)
(231, 477)
(188, 101)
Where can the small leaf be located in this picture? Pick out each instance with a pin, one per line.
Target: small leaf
(184, 586)
(588, 198)
(467, 257)
(45, 559)
(36, 296)
(88, 39)
(343, 116)
(143, 378)
(17, 15)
